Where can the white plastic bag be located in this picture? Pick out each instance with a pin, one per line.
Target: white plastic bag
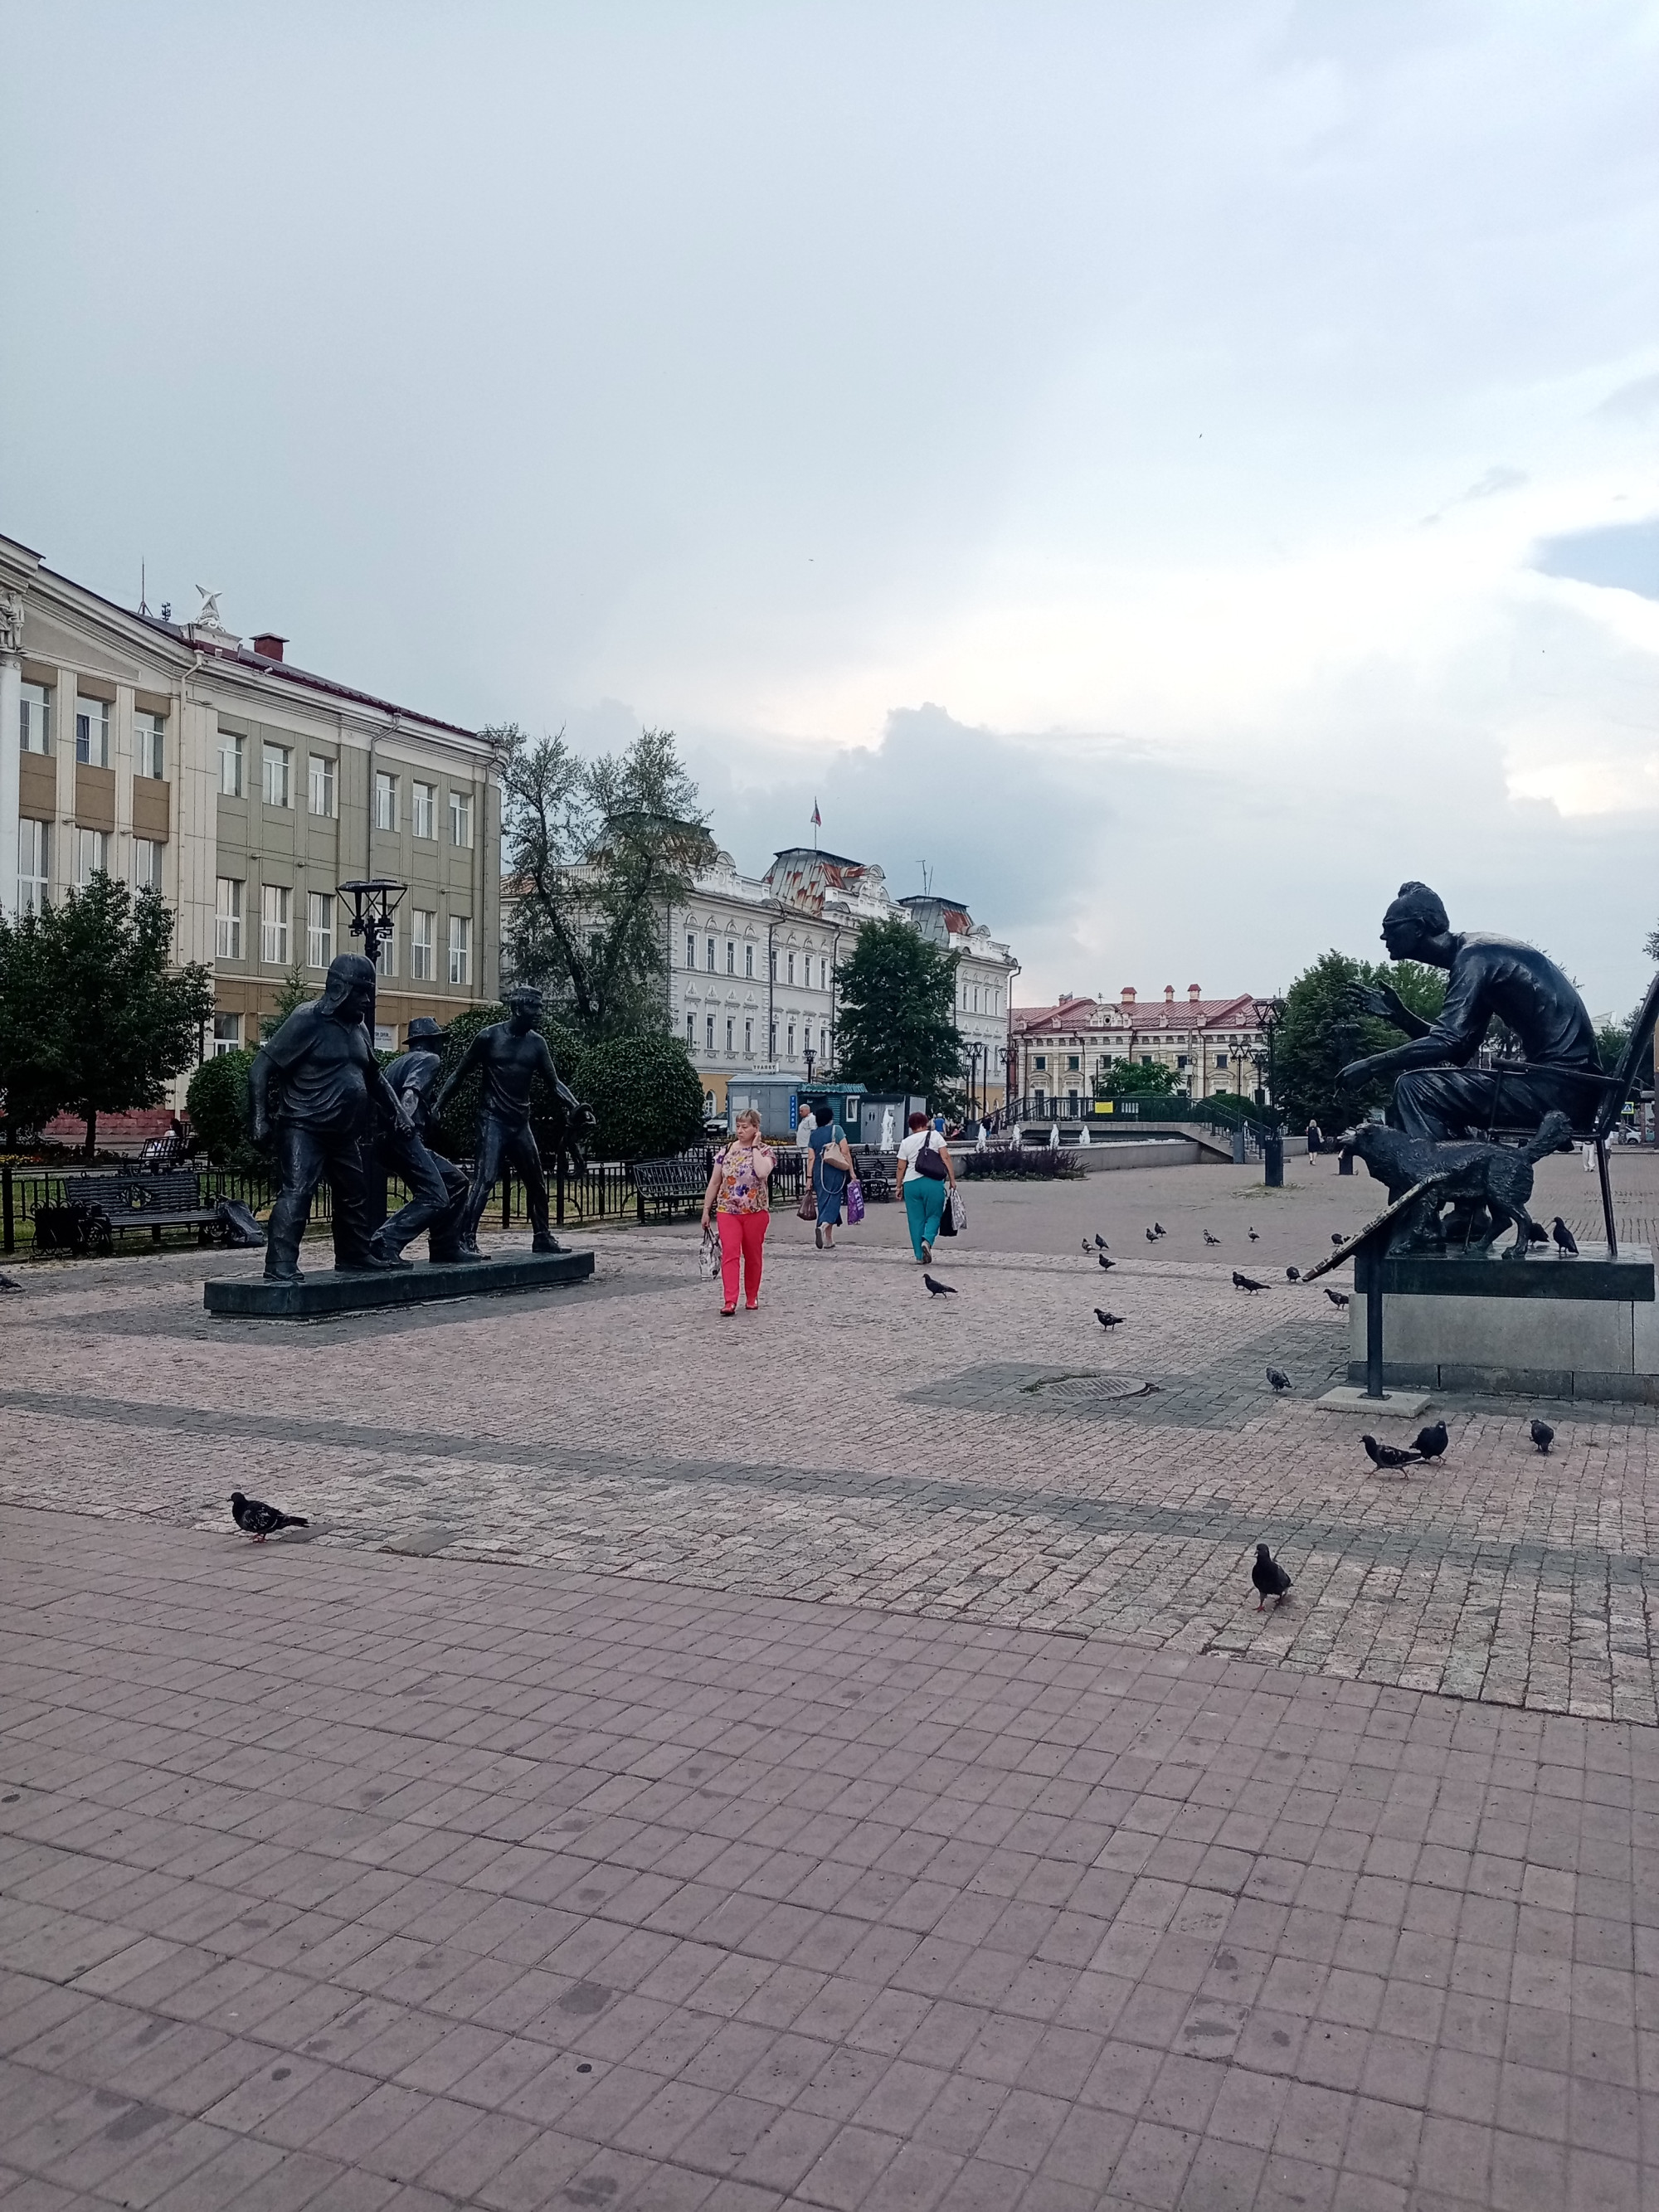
(708, 1256)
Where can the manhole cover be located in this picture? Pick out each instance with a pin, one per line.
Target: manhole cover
(1090, 1389)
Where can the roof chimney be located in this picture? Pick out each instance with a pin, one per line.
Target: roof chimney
(1128, 994)
(270, 644)
(1193, 993)
(1169, 994)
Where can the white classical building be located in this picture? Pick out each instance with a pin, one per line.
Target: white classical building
(752, 984)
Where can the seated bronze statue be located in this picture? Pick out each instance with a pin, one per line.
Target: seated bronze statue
(1438, 1095)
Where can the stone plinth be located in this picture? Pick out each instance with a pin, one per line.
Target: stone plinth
(1539, 1327)
(251, 1298)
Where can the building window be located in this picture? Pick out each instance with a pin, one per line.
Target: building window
(691, 949)
(151, 743)
(1042, 1060)
(228, 919)
(1072, 1063)
(1071, 1104)
(386, 800)
(33, 876)
(386, 956)
(1221, 1060)
(146, 864)
(772, 963)
(749, 961)
(92, 732)
(792, 976)
(319, 929)
(320, 784)
(227, 1030)
(748, 1040)
(772, 1040)
(730, 1034)
(460, 949)
(34, 720)
(730, 958)
(1181, 1060)
(791, 1040)
(424, 944)
(824, 1043)
(424, 809)
(461, 817)
(276, 784)
(232, 750)
(91, 855)
(708, 954)
(1041, 1101)
(709, 1029)
(690, 1032)
(275, 901)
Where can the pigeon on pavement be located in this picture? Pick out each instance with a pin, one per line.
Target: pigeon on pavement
(1543, 1435)
(1279, 1378)
(7, 1284)
(1567, 1242)
(1253, 1236)
(1270, 1579)
(1338, 1298)
(1086, 1246)
(1159, 1230)
(1431, 1442)
(1208, 1239)
(1246, 1282)
(1537, 1233)
(1293, 1274)
(1108, 1264)
(1107, 1319)
(257, 1519)
(1338, 1237)
(1390, 1456)
(1101, 1242)
(939, 1290)
(1150, 1239)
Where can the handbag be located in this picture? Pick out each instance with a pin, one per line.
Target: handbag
(708, 1256)
(854, 1200)
(928, 1162)
(808, 1208)
(957, 1207)
(947, 1225)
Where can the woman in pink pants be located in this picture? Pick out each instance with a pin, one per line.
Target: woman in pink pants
(737, 1194)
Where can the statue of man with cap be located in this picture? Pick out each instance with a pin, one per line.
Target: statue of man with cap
(437, 1185)
(510, 1056)
(1438, 1094)
(321, 1067)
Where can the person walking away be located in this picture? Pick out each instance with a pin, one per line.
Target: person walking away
(832, 1170)
(1316, 1140)
(925, 1173)
(739, 1191)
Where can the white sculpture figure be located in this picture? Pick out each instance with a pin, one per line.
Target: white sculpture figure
(1083, 1135)
(209, 616)
(1054, 1136)
(889, 1143)
(11, 623)
(981, 1142)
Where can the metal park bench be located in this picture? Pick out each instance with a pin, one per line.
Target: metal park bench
(671, 1184)
(109, 1206)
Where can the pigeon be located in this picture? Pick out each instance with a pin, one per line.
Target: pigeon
(1246, 1282)
(1159, 1230)
(1107, 1319)
(257, 1519)
(1543, 1435)
(1251, 1234)
(1537, 1233)
(1150, 1239)
(1337, 1236)
(1208, 1239)
(1101, 1242)
(1339, 1299)
(1564, 1237)
(1293, 1274)
(1108, 1264)
(1086, 1246)
(1270, 1579)
(939, 1290)
(7, 1284)
(1432, 1443)
(1386, 1455)
(1279, 1378)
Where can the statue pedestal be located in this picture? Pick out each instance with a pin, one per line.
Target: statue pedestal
(323, 1292)
(1541, 1326)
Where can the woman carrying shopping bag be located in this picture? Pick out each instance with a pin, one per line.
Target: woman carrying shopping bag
(926, 1175)
(832, 1170)
(737, 1192)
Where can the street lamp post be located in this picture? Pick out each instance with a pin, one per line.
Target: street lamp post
(374, 900)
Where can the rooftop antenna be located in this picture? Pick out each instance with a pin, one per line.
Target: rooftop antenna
(143, 609)
(926, 878)
(817, 824)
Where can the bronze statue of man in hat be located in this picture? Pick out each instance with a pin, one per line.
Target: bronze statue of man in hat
(437, 1186)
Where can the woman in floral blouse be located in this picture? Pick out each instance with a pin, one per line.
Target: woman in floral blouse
(738, 1196)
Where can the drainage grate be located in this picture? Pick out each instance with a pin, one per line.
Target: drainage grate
(1090, 1389)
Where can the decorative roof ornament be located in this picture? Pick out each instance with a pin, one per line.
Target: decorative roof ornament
(208, 617)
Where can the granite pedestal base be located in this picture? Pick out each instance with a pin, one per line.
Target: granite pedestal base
(1541, 1326)
(251, 1298)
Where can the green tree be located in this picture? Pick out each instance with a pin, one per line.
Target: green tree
(217, 1103)
(118, 1021)
(293, 991)
(1128, 1078)
(895, 1029)
(1320, 1031)
(646, 1095)
(597, 853)
(31, 1079)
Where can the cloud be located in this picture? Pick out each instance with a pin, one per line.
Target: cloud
(1621, 556)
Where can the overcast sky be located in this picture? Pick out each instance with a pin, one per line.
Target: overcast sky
(1176, 469)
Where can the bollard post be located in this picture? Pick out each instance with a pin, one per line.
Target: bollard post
(1368, 1277)
(1345, 1164)
(1273, 1160)
(8, 1222)
(560, 1191)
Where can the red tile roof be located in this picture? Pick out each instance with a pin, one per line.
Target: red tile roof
(1072, 1016)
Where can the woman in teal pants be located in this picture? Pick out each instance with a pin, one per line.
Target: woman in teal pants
(923, 1192)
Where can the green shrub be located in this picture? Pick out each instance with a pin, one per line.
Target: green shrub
(647, 1094)
(217, 1103)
